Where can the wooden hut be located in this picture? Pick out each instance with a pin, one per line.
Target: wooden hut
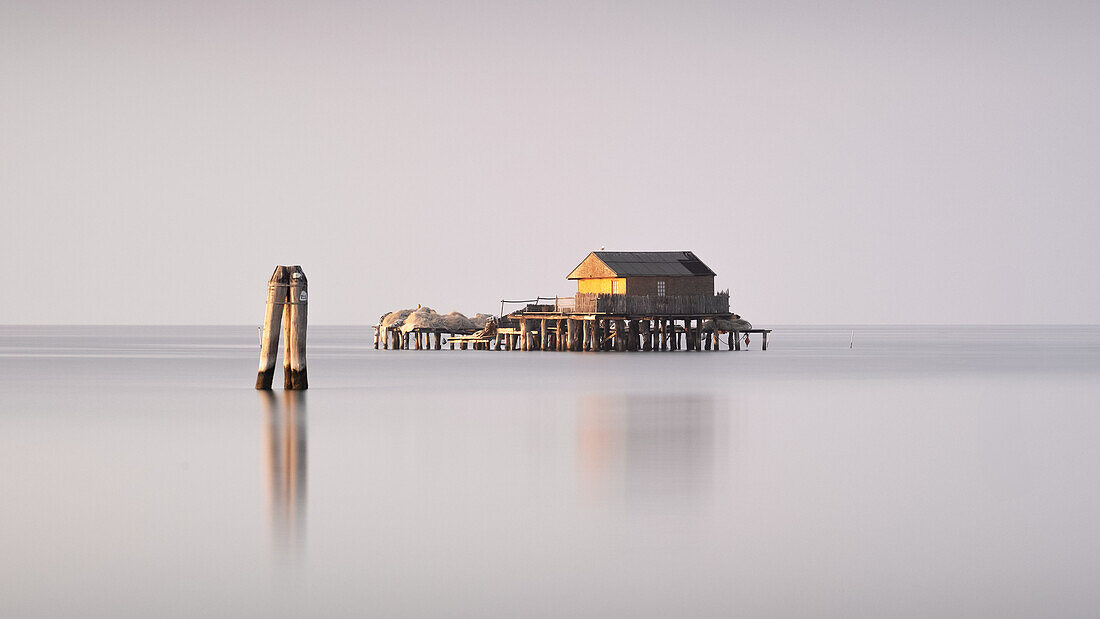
(643, 273)
(637, 300)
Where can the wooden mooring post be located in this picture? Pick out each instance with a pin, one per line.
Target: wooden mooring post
(287, 298)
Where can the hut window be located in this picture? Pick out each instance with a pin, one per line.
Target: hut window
(614, 287)
(660, 288)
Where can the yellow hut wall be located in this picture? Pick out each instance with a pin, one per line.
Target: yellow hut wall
(601, 285)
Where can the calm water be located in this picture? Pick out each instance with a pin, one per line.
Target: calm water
(925, 472)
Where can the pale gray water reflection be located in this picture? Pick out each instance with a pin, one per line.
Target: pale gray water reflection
(926, 472)
(647, 448)
(285, 468)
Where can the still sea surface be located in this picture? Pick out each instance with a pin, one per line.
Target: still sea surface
(921, 472)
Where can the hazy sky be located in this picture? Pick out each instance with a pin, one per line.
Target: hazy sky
(844, 162)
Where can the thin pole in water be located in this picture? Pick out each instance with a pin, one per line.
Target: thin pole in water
(852, 341)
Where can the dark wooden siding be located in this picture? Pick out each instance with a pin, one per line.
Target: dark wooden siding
(642, 286)
(653, 305)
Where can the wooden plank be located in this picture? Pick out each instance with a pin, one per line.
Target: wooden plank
(298, 306)
(273, 318)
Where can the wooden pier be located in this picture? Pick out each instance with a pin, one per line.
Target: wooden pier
(625, 301)
(595, 322)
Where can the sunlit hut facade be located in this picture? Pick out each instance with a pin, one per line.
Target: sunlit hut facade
(643, 273)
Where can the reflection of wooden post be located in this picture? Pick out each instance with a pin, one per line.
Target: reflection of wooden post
(286, 470)
(297, 306)
(269, 345)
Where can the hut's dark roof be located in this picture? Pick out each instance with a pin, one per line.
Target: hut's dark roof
(635, 263)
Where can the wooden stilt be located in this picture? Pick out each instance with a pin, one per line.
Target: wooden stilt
(296, 320)
(273, 318)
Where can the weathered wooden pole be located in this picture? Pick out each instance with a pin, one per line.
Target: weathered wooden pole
(297, 306)
(524, 335)
(544, 335)
(273, 318)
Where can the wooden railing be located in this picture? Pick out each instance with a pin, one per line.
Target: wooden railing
(652, 305)
(565, 304)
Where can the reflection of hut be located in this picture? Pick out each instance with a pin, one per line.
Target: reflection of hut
(641, 447)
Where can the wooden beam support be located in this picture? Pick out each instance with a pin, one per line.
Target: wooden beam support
(273, 318)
